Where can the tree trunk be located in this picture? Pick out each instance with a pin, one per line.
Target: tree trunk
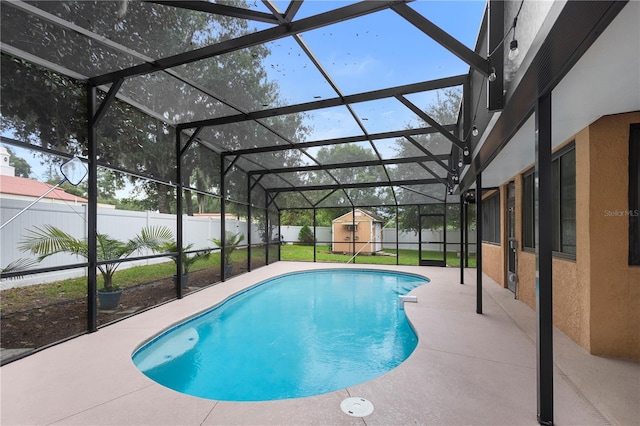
(108, 282)
(188, 201)
(164, 197)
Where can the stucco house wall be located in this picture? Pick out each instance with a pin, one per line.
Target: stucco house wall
(596, 295)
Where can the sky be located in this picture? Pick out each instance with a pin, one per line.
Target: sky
(371, 52)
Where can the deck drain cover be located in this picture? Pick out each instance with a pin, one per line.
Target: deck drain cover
(357, 407)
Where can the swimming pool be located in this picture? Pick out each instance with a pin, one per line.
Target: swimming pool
(300, 334)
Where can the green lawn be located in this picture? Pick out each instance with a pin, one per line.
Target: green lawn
(77, 287)
(404, 257)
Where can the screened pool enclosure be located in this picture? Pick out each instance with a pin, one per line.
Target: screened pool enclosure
(222, 123)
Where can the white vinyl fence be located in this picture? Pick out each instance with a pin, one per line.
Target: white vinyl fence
(118, 224)
(124, 224)
(406, 240)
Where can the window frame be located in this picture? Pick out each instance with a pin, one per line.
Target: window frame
(559, 192)
(528, 204)
(491, 219)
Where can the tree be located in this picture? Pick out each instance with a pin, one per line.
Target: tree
(22, 167)
(296, 217)
(41, 106)
(339, 154)
(445, 111)
(128, 138)
(305, 236)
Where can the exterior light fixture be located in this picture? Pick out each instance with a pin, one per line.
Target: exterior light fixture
(492, 75)
(460, 163)
(513, 50)
(513, 46)
(474, 132)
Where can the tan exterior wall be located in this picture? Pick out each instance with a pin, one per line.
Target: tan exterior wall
(526, 288)
(492, 262)
(596, 297)
(615, 286)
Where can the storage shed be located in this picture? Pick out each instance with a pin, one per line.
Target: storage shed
(365, 229)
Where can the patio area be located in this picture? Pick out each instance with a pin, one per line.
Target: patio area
(467, 369)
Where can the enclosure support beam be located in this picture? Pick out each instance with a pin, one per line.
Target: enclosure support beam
(344, 186)
(397, 237)
(267, 228)
(347, 139)
(179, 216)
(219, 9)
(461, 239)
(443, 38)
(315, 237)
(223, 218)
(479, 243)
(249, 186)
(248, 40)
(279, 234)
(192, 138)
(106, 103)
(544, 247)
(466, 234)
(426, 117)
(444, 232)
(92, 220)
(353, 232)
(408, 89)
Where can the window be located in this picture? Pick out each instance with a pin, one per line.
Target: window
(528, 212)
(634, 195)
(564, 204)
(491, 218)
(564, 201)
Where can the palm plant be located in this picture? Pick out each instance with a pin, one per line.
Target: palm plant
(230, 243)
(50, 240)
(18, 265)
(187, 259)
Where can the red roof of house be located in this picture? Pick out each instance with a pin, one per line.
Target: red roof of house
(32, 188)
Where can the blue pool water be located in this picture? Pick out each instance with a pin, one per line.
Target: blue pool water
(297, 335)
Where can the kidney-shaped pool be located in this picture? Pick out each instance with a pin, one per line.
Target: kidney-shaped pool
(296, 335)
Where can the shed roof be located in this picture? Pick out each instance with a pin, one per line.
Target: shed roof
(374, 217)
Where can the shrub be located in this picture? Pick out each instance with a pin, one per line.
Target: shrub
(305, 236)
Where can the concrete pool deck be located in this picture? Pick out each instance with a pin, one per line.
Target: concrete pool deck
(467, 369)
